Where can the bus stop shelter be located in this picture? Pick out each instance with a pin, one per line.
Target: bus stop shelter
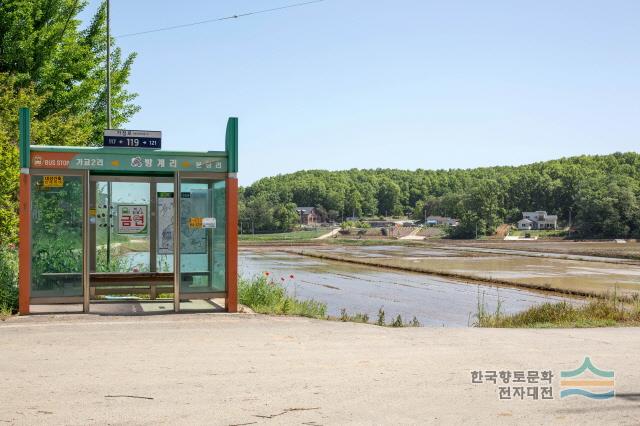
(101, 224)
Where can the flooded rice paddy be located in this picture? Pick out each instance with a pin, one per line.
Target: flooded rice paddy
(434, 301)
(588, 276)
(627, 250)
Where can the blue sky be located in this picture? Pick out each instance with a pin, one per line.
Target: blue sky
(395, 84)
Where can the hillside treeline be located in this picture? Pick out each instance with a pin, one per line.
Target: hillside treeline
(599, 196)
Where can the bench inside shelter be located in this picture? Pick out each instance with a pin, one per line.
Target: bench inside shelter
(113, 283)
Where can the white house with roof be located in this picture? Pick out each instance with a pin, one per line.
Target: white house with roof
(537, 220)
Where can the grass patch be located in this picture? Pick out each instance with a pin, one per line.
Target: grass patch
(5, 312)
(540, 233)
(267, 297)
(596, 313)
(285, 236)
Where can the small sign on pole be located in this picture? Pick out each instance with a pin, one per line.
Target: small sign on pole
(132, 139)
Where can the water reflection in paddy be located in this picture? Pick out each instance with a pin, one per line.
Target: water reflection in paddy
(574, 275)
(433, 300)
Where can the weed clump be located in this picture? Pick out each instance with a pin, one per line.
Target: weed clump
(267, 297)
(357, 317)
(397, 322)
(595, 313)
(380, 321)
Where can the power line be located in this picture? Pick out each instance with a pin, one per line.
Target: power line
(206, 21)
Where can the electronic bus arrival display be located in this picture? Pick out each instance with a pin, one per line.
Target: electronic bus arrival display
(132, 139)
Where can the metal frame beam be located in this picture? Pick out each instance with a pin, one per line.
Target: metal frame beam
(176, 242)
(231, 245)
(86, 238)
(153, 226)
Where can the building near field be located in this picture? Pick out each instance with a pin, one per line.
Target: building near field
(308, 215)
(441, 221)
(537, 220)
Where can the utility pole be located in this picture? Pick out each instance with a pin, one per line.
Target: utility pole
(108, 65)
(570, 217)
(108, 127)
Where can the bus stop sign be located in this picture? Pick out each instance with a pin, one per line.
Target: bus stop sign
(132, 138)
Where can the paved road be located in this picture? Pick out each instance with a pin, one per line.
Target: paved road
(413, 235)
(250, 369)
(328, 234)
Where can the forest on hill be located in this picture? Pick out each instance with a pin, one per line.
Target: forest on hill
(598, 195)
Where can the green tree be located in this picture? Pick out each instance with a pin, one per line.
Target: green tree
(42, 45)
(608, 209)
(484, 200)
(50, 129)
(259, 213)
(353, 202)
(429, 206)
(600, 193)
(470, 225)
(285, 217)
(389, 197)
(49, 64)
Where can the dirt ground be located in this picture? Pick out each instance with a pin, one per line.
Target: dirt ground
(251, 369)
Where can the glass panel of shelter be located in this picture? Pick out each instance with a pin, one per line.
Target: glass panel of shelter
(125, 236)
(202, 238)
(56, 237)
(122, 228)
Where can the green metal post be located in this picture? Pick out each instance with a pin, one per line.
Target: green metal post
(231, 215)
(24, 233)
(231, 144)
(25, 137)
